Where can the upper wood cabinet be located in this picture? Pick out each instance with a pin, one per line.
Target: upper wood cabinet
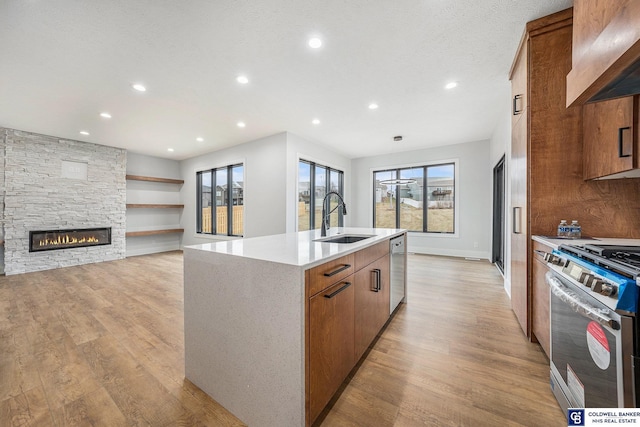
(606, 50)
(519, 84)
(610, 139)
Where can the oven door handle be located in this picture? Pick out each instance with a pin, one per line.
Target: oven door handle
(578, 305)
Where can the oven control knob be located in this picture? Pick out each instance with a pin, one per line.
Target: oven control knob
(586, 279)
(608, 290)
(553, 259)
(596, 285)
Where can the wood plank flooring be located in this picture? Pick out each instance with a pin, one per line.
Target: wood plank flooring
(102, 345)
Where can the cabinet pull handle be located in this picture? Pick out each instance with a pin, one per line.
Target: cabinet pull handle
(334, 293)
(378, 279)
(334, 272)
(515, 105)
(621, 142)
(517, 229)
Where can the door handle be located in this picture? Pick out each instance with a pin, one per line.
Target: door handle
(376, 279)
(517, 219)
(334, 293)
(577, 304)
(621, 133)
(379, 278)
(338, 270)
(515, 105)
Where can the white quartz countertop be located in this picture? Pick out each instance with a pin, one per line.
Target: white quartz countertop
(299, 249)
(555, 242)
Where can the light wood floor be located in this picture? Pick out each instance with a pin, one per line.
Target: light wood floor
(102, 345)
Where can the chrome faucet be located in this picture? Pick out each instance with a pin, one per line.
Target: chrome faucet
(327, 215)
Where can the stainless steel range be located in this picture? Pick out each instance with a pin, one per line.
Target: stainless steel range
(594, 339)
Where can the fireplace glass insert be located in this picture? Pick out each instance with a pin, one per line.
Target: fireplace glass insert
(47, 240)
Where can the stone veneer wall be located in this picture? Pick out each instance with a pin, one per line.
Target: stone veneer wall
(37, 197)
(2, 132)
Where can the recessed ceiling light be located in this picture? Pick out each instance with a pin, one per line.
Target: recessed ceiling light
(315, 43)
(243, 80)
(199, 139)
(84, 132)
(241, 124)
(451, 85)
(139, 87)
(105, 115)
(373, 106)
(315, 121)
(170, 150)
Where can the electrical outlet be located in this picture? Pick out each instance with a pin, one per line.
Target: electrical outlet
(475, 244)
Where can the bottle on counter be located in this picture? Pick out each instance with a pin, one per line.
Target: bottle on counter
(575, 231)
(563, 228)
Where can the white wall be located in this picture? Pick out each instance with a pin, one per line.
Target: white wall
(473, 203)
(500, 145)
(265, 186)
(144, 192)
(299, 148)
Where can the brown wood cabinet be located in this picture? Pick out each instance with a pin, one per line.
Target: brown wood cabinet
(329, 273)
(539, 131)
(606, 51)
(371, 302)
(546, 163)
(540, 299)
(331, 343)
(347, 305)
(610, 140)
(519, 149)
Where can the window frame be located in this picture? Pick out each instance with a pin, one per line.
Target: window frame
(229, 200)
(312, 191)
(425, 166)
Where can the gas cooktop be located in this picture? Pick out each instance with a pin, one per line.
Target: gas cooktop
(620, 258)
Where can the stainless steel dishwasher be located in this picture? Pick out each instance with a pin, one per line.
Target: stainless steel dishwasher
(398, 271)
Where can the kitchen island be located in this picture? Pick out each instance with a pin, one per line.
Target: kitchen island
(264, 335)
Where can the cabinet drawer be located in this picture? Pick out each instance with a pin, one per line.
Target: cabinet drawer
(368, 255)
(327, 274)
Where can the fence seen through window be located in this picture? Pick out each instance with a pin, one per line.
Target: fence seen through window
(222, 188)
(314, 181)
(418, 198)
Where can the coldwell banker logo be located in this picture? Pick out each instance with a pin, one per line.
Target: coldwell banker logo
(575, 417)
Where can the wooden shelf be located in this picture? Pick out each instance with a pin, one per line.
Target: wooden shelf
(154, 179)
(153, 232)
(154, 206)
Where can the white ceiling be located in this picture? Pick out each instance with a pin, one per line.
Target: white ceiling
(63, 62)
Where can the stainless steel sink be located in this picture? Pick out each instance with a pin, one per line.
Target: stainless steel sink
(343, 238)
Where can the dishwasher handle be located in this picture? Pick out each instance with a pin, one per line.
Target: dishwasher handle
(579, 305)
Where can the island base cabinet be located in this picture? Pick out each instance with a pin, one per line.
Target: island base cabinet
(371, 303)
(331, 342)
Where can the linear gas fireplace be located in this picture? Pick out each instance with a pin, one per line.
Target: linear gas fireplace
(48, 240)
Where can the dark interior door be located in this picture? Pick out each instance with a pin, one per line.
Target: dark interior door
(497, 256)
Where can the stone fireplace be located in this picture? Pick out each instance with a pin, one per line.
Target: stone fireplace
(56, 191)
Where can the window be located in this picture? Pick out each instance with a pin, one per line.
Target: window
(417, 198)
(314, 182)
(224, 189)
